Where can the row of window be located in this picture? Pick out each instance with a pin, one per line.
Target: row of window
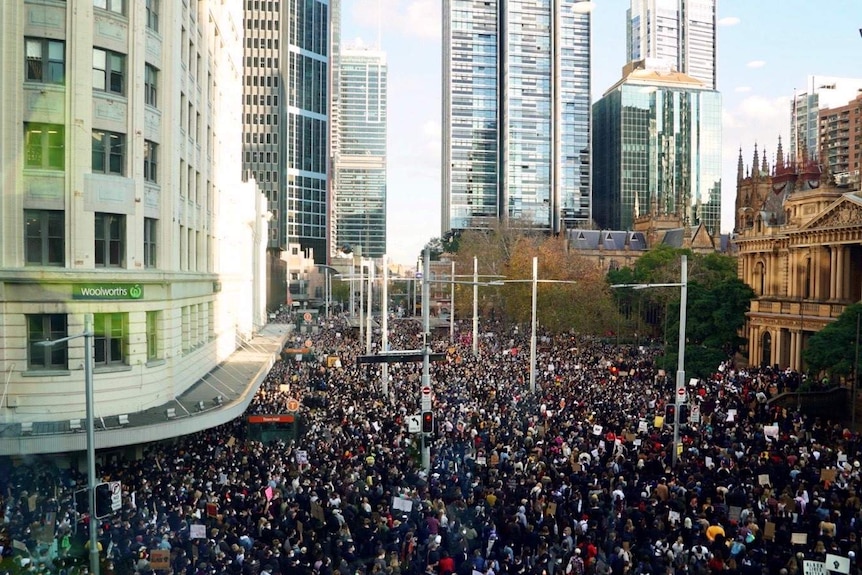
(45, 149)
(45, 239)
(45, 62)
(111, 337)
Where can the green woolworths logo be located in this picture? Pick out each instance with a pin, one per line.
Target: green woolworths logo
(107, 291)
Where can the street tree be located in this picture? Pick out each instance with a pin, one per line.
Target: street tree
(831, 351)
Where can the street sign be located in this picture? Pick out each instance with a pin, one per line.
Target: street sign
(413, 423)
(694, 413)
(426, 398)
(680, 395)
(307, 317)
(418, 275)
(116, 489)
(308, 343)
(292, 404)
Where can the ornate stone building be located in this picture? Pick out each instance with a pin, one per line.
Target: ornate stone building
(799, 240)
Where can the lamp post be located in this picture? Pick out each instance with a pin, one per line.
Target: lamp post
(475, 306)
(88, 335)
(535, 281)
(679, 392)
(452, 307)
(384, 326)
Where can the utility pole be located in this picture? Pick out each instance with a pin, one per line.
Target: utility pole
(426, 351)
(384, 325)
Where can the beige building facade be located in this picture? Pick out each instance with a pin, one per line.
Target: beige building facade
(799, 240)
(120, 155)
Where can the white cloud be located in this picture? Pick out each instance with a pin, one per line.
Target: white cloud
(413, 18)
(742, 89)
(756, 64)
(728, 21)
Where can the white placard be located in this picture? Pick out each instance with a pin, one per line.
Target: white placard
(597, 430)
(838, 563)
(813, 567)
(402, 503)
(198, 531)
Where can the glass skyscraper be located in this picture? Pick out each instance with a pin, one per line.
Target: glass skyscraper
(657, 150)
(285, 117)
(516, 114)
(359, 163)
(680, 32)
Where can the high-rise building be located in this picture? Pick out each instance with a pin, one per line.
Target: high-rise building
(821, 92)
(359, 158)
(516, 114)
(680, 32)
(657, 149)
(285, 125)
(120, 159)
(841, 141)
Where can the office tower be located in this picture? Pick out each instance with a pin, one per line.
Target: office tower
(359, 161)
(821, 92)
(516, 114)
(285, 124)
(841, 141)
(680, 32)
(657, 149)
(120, 149)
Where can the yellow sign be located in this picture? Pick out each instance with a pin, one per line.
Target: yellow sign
(659, 420)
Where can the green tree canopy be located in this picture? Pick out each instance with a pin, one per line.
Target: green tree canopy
(832, 349)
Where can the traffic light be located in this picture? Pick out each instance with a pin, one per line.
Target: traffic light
(670, 414)
(683, 413)
(103, 500)
(427, 422)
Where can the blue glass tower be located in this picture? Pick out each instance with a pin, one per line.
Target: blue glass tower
(657, 150)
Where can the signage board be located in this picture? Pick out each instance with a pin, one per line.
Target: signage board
(107, 291)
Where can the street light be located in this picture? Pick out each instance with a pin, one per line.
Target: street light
(533, 320)
(679, 392)
(88, 335)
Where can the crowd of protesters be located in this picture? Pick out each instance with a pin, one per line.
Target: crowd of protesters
(575, 479)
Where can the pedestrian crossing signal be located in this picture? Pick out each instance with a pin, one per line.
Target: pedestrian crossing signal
(427, 422)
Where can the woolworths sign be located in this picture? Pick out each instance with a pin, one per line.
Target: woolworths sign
(107, 291)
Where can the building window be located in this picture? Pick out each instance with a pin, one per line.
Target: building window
(153, 15)
(151, 77)
(109, 71)
(115, 6)
(46, 60)
(153, 351)
(42, 328)
(45, 146)
(45, 237)
(150, 229)
(109, 340)
(151, 155)
(109, 151)
(110, 240)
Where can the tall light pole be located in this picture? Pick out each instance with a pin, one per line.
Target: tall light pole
(426, 349)
(475, 306)
(88, 335)
(368, 310)
(535, 281)
(384, 327)
(452, 307)
(533, 326)
(679, 392)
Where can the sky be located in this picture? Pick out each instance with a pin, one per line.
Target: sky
(766, 50)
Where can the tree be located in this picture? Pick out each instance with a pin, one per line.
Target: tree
(832, 349)
(715, 312)
(436, 247)
(507, 251)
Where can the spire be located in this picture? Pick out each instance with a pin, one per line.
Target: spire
(755, 163)
(740, 167)
(779, 156)
(764, 168)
